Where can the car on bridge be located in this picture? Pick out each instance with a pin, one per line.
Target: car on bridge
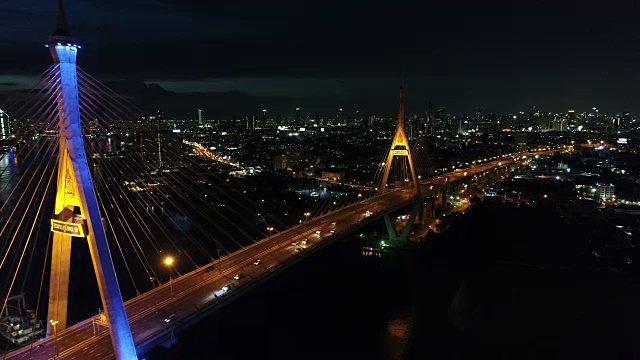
(238, 276)
(257, 262)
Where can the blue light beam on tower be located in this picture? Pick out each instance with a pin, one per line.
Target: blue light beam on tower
(75, 189)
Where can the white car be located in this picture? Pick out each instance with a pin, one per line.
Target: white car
(318, 232)
(238, 276)
(333, 223)
(304, 242)
(257, 262)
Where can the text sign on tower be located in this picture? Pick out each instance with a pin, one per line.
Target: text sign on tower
(400, 152)
(67, 228)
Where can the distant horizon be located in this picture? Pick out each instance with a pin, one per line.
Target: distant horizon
(504, 56)
(178, 103)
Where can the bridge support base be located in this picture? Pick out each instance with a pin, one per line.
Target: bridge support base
(171, 342)
(402, 238)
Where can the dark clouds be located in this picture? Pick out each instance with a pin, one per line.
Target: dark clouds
(503, 55)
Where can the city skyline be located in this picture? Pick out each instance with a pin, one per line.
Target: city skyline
(110, 202)
(502, 56)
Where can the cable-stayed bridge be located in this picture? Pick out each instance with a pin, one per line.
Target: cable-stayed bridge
(188, 298)
(89, 178)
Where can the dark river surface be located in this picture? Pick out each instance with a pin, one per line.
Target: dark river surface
(506, 282)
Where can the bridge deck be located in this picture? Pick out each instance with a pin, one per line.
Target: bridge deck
(192, 295)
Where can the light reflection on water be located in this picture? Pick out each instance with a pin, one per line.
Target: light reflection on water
(7, 169)
(397, 335)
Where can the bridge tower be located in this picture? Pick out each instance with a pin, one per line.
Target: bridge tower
(76, 212)
(400, 148)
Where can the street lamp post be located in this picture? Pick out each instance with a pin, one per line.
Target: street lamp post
(306, 216)
(270, 229)
(55, 337)
(168, 261)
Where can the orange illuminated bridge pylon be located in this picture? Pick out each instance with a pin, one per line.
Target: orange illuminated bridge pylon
(400, 147)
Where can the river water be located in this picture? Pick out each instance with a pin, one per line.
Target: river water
(485, 289)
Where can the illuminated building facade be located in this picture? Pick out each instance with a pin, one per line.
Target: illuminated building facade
(5, 125)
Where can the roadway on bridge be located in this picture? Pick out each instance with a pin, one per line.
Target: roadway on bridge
(184, 297)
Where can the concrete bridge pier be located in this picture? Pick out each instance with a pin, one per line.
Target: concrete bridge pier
(454, 189)
(432, 202)
(403, 238)
(445, 197)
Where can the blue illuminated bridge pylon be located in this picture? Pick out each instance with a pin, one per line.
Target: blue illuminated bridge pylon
(77, 212)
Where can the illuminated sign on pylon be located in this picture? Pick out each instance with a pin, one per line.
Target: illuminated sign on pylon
(67, 228)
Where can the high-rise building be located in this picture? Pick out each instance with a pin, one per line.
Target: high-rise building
(200, 120)
(442, 120)
(571, 118)
(477, 119)
(543, 121)
(429, 120)
(521, 141)
(280, 162)
(294, 154)
(5, 125)
(559, 123)
(461, 124)
(251, 122)
(625, 121)
(298, 118)
(340, 118)
(605, 192)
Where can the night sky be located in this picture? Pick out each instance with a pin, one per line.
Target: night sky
(323, 55)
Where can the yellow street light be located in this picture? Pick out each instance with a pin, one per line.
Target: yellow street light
(168, 261)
